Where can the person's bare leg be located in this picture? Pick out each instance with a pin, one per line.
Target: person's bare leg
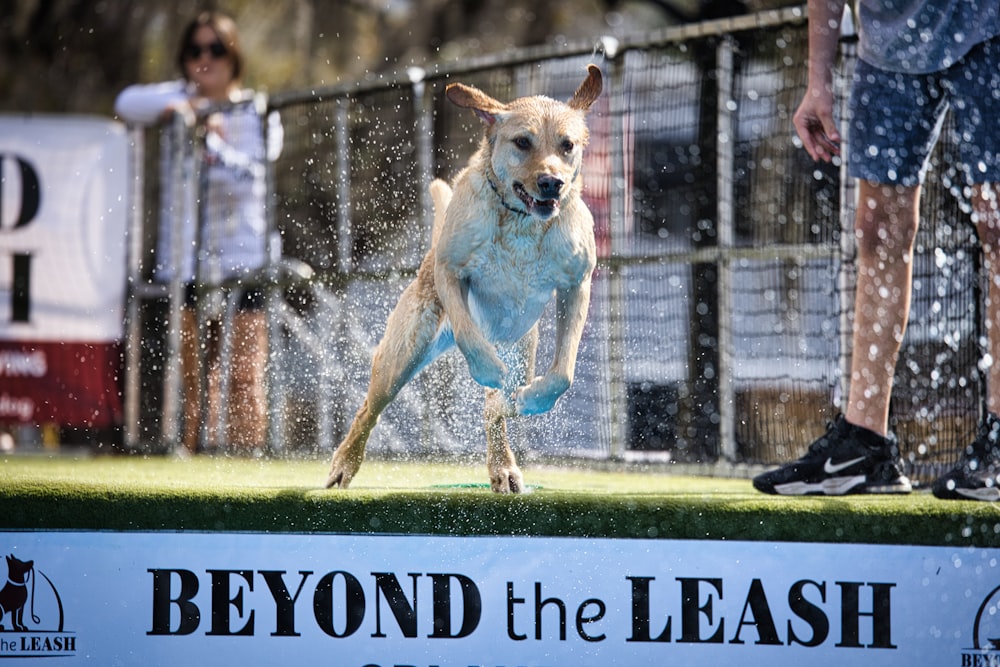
(976, 475)
(885, 226)
(247, 399)
(190, 379)
(986, 217)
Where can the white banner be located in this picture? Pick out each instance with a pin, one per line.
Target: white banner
(95, 598)
(63, 209)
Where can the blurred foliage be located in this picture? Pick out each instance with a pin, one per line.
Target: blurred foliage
(75, 55)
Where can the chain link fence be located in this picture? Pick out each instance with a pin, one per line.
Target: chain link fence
(718, 330)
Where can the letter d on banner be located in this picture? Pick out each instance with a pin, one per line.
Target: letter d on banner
(472, 606)
(17, 208)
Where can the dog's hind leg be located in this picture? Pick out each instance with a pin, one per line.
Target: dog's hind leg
(505, 475)
(413, 338)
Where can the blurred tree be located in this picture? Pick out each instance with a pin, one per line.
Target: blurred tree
(67, 56)
(75, 55)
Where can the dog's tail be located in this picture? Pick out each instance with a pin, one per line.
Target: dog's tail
(441, 195)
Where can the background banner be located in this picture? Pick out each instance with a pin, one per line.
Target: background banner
(63, 210)
(363, 600)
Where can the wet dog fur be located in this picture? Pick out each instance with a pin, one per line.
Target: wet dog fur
(511, 232)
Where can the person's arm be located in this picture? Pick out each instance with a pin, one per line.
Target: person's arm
(814, 119)
(147, 104)
(240, 148)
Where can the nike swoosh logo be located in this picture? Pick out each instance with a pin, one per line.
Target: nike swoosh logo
(831, 468)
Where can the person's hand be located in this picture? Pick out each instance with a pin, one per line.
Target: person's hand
(815, 124)
(214, 138)
(182, 107)
(214, 125)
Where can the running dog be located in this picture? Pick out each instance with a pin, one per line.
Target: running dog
(509, 234)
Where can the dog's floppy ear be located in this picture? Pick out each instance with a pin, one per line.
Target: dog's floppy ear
(588, 91)
(467, 97)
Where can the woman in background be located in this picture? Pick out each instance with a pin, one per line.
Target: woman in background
(232, 245)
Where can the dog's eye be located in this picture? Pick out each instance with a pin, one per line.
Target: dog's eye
(567, 146)
(524, 143)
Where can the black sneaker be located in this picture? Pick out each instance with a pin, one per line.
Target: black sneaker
(977, 475)
(846, 459)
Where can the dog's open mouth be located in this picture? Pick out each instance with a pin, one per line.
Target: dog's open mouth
(541, 207)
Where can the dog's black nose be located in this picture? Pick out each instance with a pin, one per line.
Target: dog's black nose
(549, 186)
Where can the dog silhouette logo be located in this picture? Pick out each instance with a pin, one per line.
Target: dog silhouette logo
(14, 594)
(32, 621)
(986, 628)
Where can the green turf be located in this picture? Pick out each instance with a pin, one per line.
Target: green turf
(134, 493)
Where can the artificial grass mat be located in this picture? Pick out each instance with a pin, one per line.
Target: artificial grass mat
(132, 493)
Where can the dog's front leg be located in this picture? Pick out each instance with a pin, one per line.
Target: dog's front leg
(571, 314)
(485, 365)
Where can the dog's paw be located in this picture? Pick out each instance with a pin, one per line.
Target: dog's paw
(342, 470)
(506, 479)
(338, 479)
(541, 395)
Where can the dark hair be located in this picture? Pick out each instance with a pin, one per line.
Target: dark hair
(225, 29)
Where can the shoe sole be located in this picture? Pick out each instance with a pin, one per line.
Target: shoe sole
(840, 486)
(988, 495)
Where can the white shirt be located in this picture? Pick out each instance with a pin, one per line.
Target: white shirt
(231, 193)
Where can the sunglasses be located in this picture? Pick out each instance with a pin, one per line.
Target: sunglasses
(215, 49)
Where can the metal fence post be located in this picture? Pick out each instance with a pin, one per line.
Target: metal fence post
(133, 318)
(181, 200)
(341, 129)
(423, 141)
(725, 230)
(276, 361)
(846, 278)
(345, 256)
(615, 312)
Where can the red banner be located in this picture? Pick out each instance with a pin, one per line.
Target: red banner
(63, 203)
(70, 384)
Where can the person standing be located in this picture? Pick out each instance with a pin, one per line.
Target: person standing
(232, 246)
(918, 60)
